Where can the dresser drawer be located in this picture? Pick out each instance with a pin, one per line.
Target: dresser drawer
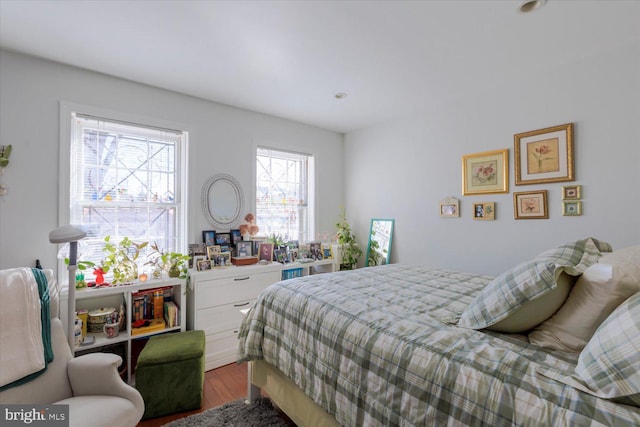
(243, 287)
(222, 318)
(221, 349)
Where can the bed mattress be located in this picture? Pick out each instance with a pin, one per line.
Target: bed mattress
(379, 346)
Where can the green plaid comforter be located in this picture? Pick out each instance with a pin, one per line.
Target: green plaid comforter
(375, 347)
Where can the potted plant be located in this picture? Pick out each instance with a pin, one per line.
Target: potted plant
(175, 264)
(121, 259)
(347, 243)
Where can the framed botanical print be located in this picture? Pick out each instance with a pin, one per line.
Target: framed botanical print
(572, 208)
(484, 173)
(530, 205)
(544, 155)
(571, 192)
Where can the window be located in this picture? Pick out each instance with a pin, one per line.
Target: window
(284, 194)
(126, 181)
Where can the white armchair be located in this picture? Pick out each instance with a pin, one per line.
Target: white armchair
(89, 384)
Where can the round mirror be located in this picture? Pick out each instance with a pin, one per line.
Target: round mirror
(222, 201)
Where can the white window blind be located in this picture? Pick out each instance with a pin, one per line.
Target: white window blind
(285, 194)
(126, 182)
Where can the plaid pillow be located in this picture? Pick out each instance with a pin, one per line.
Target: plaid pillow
(528, 281)
(610, 362)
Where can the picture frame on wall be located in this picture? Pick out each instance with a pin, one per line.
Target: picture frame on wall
(530, 205)
(450, 207)
(544, 155)
(209, 237)
(571, 192)
(572, 208)
(486, 172)
(484, 211)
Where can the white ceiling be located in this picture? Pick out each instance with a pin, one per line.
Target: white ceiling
(289, 58)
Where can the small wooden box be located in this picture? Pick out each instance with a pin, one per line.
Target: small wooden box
(245, 260)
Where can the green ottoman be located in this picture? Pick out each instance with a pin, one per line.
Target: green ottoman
(170, 373)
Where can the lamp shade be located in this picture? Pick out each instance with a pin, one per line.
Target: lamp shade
(67, 233)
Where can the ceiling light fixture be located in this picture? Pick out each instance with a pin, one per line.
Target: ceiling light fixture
(531, 5)
(340, 95)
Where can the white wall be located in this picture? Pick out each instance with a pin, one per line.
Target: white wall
(221, 140)
(401, 169)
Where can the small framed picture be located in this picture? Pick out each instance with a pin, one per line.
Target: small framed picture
(204, 264)
(573, 208)
(293, 254)
(244, 248)
(213, 251)
(530, 205)
(281, 256)
(196, 249)
(315, 251)
(571, 192)
(484, 211)
(223, 239)
(209, 237)
(450, 207)
(235, 237)
(222, 259)
(327, 252)
(256, 245)
(265, 251)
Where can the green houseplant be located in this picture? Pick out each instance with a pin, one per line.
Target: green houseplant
(121, 259)
(351, 251)
(175, 264)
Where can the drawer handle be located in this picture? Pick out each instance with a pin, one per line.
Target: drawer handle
(241, 305)
(238, 279)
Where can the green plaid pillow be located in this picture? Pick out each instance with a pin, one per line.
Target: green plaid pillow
(528, 281)
(610, 362)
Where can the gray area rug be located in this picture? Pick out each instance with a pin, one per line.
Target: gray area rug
(235, 414)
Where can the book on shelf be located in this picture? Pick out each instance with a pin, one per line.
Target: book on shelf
(148, 303)
(171, 314)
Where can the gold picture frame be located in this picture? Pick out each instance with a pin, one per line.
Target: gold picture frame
(450, 207)
(571, 192)
(544, 155)
(484, 211)
(572, 208)
(486, 172)
(530, 205)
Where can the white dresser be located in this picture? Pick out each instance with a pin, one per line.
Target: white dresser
(215, 298)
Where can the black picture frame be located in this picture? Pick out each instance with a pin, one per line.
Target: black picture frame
(223, 239)
(281, 256)
(235, 237)
(209, 237)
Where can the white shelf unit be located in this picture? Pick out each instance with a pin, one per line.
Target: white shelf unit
(216, 298)
(113, 296)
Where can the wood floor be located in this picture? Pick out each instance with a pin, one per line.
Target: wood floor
(221, 385)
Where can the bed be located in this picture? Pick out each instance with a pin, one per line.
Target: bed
(410, 345)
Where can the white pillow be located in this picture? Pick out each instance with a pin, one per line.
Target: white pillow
(600, 289)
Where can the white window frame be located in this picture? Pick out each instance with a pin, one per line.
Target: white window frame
(66, 130)
(311, 176)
